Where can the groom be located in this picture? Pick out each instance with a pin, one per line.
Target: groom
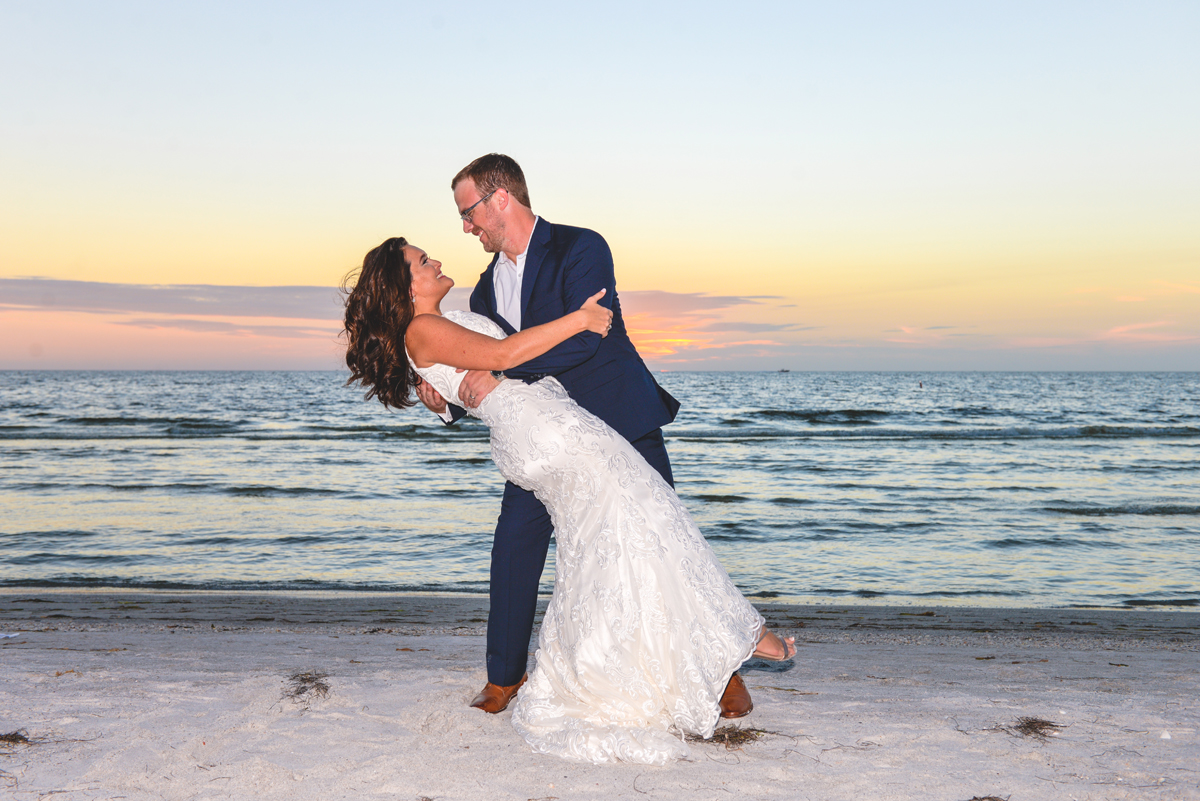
(541, 271)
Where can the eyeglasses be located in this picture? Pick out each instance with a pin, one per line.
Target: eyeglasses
(466, 215)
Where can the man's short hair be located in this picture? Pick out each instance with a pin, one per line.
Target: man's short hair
(496, 171)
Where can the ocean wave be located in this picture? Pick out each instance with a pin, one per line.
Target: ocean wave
(211, 540)
(1050, 542)
(817, 417)
(1144, 602)
(266, 491)
(371, 432)
(864, 593)
(118, 582)
(159, 426)
(702, 435)
(24, 539)
(979, 411)
(1153, 510)
(48, 557)
(724, 433)
(214, 431)
(965, 593)
(132, 420)
(719, 498)
(247, 490)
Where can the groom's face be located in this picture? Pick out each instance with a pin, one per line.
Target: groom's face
(485, 221)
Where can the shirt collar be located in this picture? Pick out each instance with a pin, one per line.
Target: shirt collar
(519, 264)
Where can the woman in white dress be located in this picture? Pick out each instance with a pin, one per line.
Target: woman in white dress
(644, 628)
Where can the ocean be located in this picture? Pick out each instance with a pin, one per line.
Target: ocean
(969, 489)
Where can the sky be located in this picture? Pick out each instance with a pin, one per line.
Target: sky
(809, 186)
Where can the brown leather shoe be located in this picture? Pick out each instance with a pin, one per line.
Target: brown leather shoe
(736, 703)
(494, 699)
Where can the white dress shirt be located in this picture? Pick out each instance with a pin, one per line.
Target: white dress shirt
(506, 281)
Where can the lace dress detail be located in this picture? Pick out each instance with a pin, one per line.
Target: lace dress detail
(644, 628)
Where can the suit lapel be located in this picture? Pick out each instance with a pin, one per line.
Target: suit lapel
(539, 244)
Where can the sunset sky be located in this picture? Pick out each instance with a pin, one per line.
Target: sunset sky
(864, 185)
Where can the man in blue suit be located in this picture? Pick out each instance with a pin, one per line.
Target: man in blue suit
(540, 272)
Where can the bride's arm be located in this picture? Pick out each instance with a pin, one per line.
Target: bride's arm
(432, 339)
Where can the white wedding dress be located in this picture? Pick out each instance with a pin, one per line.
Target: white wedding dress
(645, 627)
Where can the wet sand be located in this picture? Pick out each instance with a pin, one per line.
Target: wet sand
(183, 695)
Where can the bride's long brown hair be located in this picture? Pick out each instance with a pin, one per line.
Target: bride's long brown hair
(379, 309)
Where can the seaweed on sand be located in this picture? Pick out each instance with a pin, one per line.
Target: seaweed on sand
(12, 738)
(8, 742)
(731, 737)
(304, 686)
(1037, 728)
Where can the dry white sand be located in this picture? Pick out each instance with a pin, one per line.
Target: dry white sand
(181, 696)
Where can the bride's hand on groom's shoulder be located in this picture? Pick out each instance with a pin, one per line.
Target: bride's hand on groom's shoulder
(597, 318)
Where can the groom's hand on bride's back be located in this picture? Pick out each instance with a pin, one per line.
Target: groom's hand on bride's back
(475, 386)
(429, 396)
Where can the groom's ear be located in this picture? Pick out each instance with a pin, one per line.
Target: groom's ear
(503, 198)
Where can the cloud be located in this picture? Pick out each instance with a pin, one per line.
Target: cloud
(1126, 329)
(1181, 287)
(726, 355)
(297, 302)
(674, 305)
(661, 322)
(748, 328)
(1143, 333)
(95, 297)
(677, 327)
(929, 336)
(236, 329)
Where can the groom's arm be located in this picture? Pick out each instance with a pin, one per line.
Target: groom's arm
(588, 269)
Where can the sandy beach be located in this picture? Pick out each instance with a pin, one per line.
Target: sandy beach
(170, 695)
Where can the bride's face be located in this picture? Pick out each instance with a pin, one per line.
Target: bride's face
(428, 283)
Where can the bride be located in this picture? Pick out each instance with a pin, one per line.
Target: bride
(644, 628)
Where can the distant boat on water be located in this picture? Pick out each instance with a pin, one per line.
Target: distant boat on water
(785, 370)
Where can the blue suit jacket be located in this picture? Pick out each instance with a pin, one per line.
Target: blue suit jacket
(564, 266)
